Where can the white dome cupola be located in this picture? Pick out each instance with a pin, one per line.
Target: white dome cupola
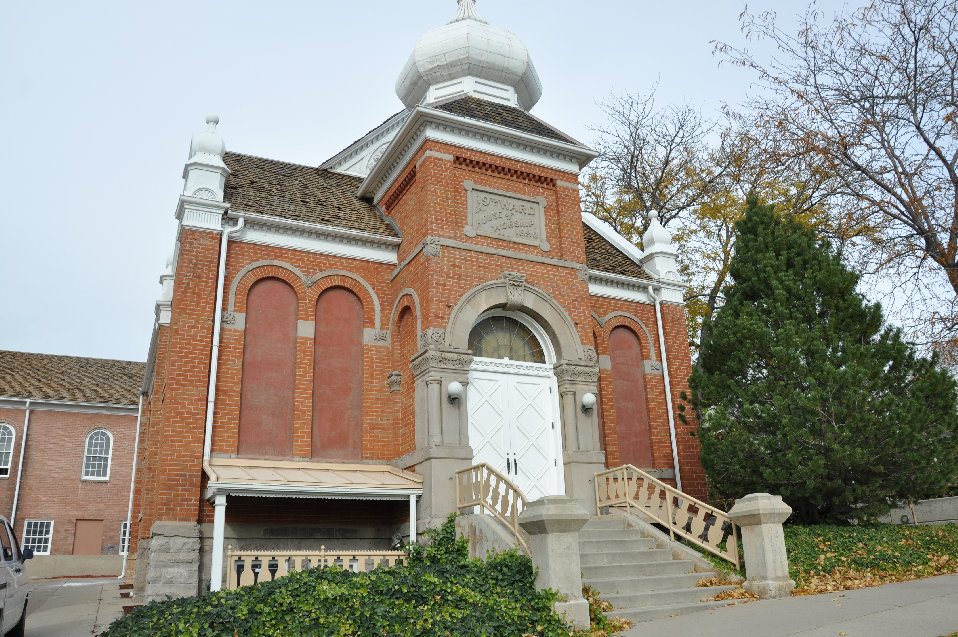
(468, 56)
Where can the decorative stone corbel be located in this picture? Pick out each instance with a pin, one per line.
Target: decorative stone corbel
(515, 290)
(394, 380)
(432, 338)
(432, 247)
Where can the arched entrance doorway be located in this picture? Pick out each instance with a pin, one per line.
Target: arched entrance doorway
(513, 403)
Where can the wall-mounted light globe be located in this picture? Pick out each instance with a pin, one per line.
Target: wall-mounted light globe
(588, 402)
(454, 391)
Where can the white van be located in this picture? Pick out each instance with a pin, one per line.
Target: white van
(13, 582)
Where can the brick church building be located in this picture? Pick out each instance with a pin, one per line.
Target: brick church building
(334, 342)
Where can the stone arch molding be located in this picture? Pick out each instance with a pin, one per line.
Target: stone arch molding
(308, 281)
(513, 294)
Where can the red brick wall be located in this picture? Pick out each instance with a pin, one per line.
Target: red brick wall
(428, 200)
(680, 368)
(52, 488)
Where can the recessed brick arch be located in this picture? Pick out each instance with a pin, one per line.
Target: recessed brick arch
(624, 319)
(406, 298)
(532, 301)
(319, 283)
(257, 271)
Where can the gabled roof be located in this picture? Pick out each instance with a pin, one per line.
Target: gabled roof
(69, 378)
(603, 256)
(300, 193)
(502, 115)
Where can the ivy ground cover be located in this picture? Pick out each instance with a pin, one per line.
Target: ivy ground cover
(440, 592)
(825, 558)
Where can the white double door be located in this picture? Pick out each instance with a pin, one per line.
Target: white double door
(514, 424)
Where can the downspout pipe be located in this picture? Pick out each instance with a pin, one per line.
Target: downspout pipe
(216, 567)
(23, 448)
(668, 388)
(129, 508)
(215, 350)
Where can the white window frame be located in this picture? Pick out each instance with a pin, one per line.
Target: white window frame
(87, 456)
(31, 545)
(13, 440)
(124, 537)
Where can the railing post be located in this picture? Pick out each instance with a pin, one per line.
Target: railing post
(766, 561)
(553, 524)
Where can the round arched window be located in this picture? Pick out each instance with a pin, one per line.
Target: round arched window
(505, 337)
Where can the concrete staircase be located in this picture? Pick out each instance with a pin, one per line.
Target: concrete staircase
(641, 581)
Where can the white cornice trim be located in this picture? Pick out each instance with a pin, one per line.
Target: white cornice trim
(626, 288)
(318, 238)
(66, 405)
(362, 147)
(428, 123)
(200, 214)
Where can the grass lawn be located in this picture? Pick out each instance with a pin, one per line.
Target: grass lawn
(831, 558)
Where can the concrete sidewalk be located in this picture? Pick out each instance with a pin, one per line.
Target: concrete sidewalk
(919, 608)
(73, 607)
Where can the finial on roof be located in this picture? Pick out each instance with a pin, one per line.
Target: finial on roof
(467, 11)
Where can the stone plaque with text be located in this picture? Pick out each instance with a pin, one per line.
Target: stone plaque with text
(506, 215)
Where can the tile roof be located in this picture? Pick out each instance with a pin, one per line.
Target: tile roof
(503, 115)
(300, 193)
(603, 256)
(69, 378)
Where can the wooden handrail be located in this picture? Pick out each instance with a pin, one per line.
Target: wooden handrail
(482, 486)
(699, 523)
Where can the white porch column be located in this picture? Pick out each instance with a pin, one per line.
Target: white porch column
(219, 531)
(412, 518)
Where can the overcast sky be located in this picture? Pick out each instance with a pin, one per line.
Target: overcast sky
(100, 99)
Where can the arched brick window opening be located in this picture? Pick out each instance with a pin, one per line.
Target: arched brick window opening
(338, 376)
(628, 390)
(269, 371)
(98, 450)
(404, 347)
(7, 436)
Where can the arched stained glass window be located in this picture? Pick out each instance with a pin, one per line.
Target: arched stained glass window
(505, 337)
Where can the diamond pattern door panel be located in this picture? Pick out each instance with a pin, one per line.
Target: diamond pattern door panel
(488, 426)
(533, 438)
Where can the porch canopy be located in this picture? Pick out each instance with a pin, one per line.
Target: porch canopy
(290, 479)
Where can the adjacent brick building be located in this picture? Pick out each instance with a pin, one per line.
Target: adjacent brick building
(67, 434)
(333, 343)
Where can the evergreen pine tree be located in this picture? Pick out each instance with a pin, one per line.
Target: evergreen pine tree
(801, 392)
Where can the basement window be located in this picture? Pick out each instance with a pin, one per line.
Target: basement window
(37, 535)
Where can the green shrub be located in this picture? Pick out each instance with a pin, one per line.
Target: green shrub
(441, 592)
